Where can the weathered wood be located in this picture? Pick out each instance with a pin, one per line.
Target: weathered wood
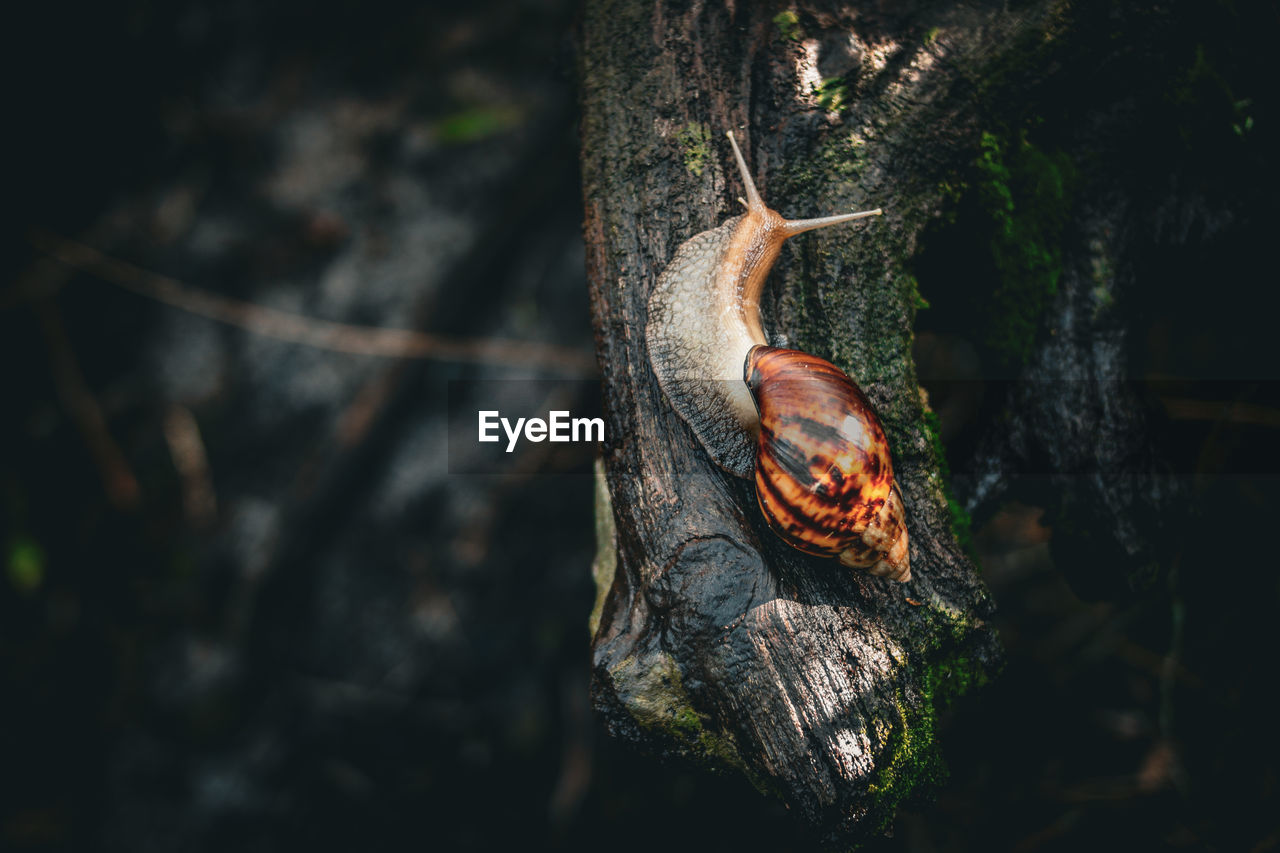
(714, 639)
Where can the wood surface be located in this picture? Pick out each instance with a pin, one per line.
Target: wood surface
(714, 640)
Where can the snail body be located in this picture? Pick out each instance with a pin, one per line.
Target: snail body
(794, 423)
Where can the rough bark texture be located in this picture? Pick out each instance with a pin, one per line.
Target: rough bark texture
(714, 639)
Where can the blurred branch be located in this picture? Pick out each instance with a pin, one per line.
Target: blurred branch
(182, 434)
(118, 480)
(323, 334)
(1231, 411)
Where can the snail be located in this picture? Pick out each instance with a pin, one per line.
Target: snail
(793, 422)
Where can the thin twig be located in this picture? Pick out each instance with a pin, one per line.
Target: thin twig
(323, 334)
(182, 434)
(118, 480)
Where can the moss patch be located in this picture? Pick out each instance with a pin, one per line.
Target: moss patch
(992, 261)
(1024, 194)
(695, 144)
(961, 523)
(833, 95)
(652, 690)
(788, 24)
(913, 764)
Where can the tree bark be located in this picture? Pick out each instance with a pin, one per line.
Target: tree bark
(713, 639)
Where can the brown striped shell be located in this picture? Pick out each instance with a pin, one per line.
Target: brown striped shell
(823, 474)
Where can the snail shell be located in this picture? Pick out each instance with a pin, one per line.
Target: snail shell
(823, 475)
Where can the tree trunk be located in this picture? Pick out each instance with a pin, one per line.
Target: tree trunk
(713, 639)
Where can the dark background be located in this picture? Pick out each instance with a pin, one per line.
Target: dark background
(319, 636)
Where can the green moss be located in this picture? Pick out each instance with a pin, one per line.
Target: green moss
(788, 24)
(931, 36)
(842, 157)
(952, 678)
(917, 297)
(913, 763)
(833, 94)
(948, 675)
(961, 523)
(1024, 194)
(1005, 213)
(652, 690)
(912, 766)
(606, 560)
(695, 142)
(961, 526)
